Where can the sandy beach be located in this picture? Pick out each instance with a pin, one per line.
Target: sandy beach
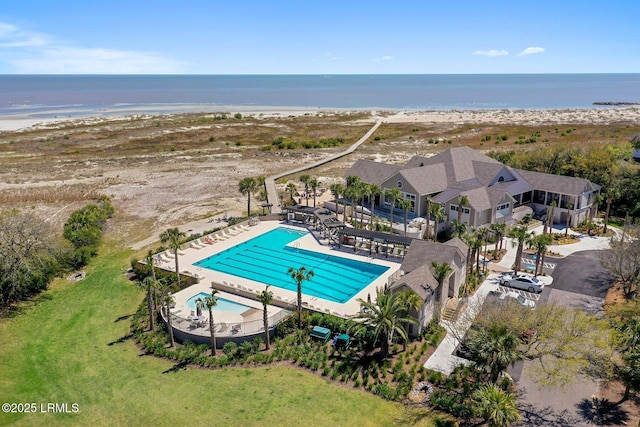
(596, 115)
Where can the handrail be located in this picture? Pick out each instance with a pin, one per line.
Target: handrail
(223, 329)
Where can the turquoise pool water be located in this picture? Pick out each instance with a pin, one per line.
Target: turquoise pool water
(266, 259)
(223, 304)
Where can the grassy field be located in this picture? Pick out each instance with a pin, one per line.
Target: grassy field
(71, 346)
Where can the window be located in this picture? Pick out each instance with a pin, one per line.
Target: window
(455, 209)
(502, 206)
(399, 184)
(501, 179)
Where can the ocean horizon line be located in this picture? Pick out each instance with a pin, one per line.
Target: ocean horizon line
(306, 74)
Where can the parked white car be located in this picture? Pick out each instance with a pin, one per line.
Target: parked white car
(504, 296)
(526, 282)
(522, 300)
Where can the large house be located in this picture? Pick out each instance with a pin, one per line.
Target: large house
(492, 189)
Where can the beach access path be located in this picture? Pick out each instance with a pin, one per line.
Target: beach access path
(270, 181)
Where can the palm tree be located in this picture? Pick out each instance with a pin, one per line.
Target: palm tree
(151, 284)
(393, 195)
(352, 194)
(493, 348)
(409, 300)
(265, 297)
(371, 191)
(568, 218)
(299, 276)
(209, 302)
(630, 373)
(597, 200)
(463, 202)
(405, 205)
(292, 188)
(305, 179)
(496, 407)
(247, 186)
(167, 301)
(612, 194)
(314, 184)
(469, 239)
(362, 191)
(428, 200)
(540, 244)
(386, 318)
(548, 225)
(441, 272)
(476, 246)
(337, 189)
(483, 232)
(172, 237)
(520, 235)
(438, 215)
(458, 228)
(498, 229)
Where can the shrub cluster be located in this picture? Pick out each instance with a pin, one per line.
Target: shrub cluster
(84, 230)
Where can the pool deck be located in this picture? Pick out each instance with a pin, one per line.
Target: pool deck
(244, 291)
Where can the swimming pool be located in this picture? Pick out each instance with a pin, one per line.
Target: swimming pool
(223, 304)
(267, 258)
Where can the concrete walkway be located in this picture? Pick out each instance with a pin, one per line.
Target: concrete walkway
(270, 181)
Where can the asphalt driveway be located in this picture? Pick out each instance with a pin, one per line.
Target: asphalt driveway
(581, 273)
(579, 281)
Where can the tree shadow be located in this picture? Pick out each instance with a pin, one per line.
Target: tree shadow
(546, 416)
(21, 307)
(602, 412)
(121, 318)
(177, 367)
(121, 339)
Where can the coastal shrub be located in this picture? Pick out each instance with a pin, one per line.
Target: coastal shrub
(84, 230)
(385, 391)
(237, 116)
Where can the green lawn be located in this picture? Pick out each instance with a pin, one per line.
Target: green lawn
(71, 346)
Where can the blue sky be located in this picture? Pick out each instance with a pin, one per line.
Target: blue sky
(318, 37)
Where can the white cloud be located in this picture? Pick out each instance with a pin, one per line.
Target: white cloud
(531, 51)
(491, 53)
(383, 58)
(33, 53)
(12, 36)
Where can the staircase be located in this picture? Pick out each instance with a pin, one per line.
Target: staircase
(452, 309)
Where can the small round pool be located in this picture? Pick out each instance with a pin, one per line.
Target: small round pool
(223, 304)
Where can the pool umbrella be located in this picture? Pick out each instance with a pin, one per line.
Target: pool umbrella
(198, 310)
(369, 298)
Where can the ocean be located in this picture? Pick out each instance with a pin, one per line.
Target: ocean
(42, 96)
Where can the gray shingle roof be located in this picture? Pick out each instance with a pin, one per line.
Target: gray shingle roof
(427, 179)
(372, 172)
(422, 252)
(556, 183)
(420, 281)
